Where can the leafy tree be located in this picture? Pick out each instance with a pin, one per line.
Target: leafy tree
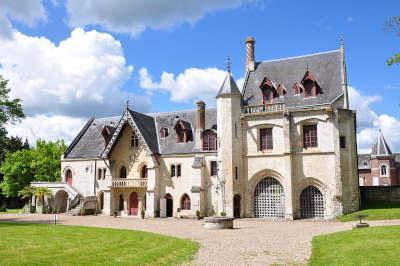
(27, 193)
(393, 25)
(10, 110)
(25, 166)
(41, 192)
(13, 144)
(18, 172)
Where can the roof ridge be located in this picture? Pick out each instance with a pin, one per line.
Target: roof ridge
(299, 56)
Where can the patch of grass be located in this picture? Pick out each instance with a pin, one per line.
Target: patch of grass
(367, 246)
(41, 244)
(377, 211)
(12, 211)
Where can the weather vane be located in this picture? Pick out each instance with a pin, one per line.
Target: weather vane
(228, 64)
(127, 104)
(341, 38)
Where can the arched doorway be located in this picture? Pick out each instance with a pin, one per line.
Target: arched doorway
(60, 201)
(312, 204)
(68, 177)
(269, 199)
(170, 205)
(236, 206)
(134, 204)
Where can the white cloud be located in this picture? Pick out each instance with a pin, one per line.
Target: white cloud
(47, 128)
(28, 12)
(190, 85)
(81, 76)
(369, 122)
(349, 19)
(127, 16)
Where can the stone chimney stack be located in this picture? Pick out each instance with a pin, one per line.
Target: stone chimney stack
(250, 63)
(201, 115)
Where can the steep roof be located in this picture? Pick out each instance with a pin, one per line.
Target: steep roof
(381, 148)
(326, 67)
(146, 126)
(89, 143)
(228, 87)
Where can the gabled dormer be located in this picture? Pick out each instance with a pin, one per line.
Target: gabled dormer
(268, 90)
(281, 89)
(298, 89)
(183, 131)
(310, 85)
(107, 133)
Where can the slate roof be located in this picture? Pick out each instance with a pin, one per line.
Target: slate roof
(381, 148)
(169, 119)
(147, 127)
(90, 143)
(364, 161)
(229, 87)
(326, 67)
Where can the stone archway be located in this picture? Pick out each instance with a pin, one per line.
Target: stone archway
(312, 203)
(61, 201)
(269, 199)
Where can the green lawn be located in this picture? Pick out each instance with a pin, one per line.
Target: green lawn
(367, 246)
(39, 244)
(379, 211)
(12, 211)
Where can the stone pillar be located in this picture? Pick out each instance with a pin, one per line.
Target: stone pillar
(152, 197)
(291, 197)
(107, 203)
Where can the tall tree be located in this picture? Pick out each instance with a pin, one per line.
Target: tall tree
(10, 109)
(393, 25)
(42, 163)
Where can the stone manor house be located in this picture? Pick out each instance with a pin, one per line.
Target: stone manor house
(283, 147)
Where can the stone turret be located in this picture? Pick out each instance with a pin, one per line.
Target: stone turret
(229, 143)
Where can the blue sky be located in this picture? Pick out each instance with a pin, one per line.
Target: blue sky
(199, 37)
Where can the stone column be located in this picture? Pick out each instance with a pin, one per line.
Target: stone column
(290, 191)
(152, 197)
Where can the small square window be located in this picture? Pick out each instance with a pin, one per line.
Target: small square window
(172, 170)
(342, 142)
(178, 170)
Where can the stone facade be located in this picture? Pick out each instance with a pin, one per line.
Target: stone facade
(213, 160)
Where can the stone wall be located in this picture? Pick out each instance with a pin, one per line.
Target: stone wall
(380, 194)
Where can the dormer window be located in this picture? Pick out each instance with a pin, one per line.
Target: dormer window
(183, 131)
(297, 89)
(281, 90)
(310, 85)
(209, 140)
(134, 141)
(268, 90)
(164, 132)
(106, 133)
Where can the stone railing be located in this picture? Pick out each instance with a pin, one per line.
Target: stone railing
(129, 182)
(264, 108)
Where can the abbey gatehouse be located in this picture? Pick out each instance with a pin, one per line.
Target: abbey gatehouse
(282, 147)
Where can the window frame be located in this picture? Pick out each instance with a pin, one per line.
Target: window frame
(134, 141)
(310, 142)
(209, 141)
(386, 174)
(266, 142)
(185, 202)
(213, 168)
(342, 142)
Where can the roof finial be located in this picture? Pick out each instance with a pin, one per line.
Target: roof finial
(341, 39)
(127, 104)
(228, 64)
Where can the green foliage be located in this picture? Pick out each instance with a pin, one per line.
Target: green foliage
(10, 110)
(43, 244)
(12, 144)
(367, 246)
(39, 164)
(223, 214)
(393, 25)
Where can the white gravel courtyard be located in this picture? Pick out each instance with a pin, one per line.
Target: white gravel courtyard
(252, 242)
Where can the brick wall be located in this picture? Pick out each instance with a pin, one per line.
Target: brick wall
(380, 194)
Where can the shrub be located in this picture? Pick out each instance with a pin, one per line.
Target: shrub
(198, 215)
(3, 208)
(223, 214)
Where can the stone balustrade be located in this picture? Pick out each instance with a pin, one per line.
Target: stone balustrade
(129, 182)
(264, 108)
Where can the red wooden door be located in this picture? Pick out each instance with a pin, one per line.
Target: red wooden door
(134, 203)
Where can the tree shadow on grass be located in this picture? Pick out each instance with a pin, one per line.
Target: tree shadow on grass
(380, 205)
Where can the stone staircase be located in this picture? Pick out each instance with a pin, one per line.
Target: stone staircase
(87, 204)
(75, 211)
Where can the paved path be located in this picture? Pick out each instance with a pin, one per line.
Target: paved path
(252, 242)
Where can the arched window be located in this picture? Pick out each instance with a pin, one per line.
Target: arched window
(180, 134)
(209, 140)
(183, 131)
(185, 202)
(143, 173)
(164, 133)
(122, 172)
(310, 84)
(68, 177)
(297, 88)
(281, 89)
(121, 203)
(268, 90)
(383, 170)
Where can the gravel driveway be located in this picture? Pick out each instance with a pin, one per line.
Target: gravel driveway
(252, 242)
